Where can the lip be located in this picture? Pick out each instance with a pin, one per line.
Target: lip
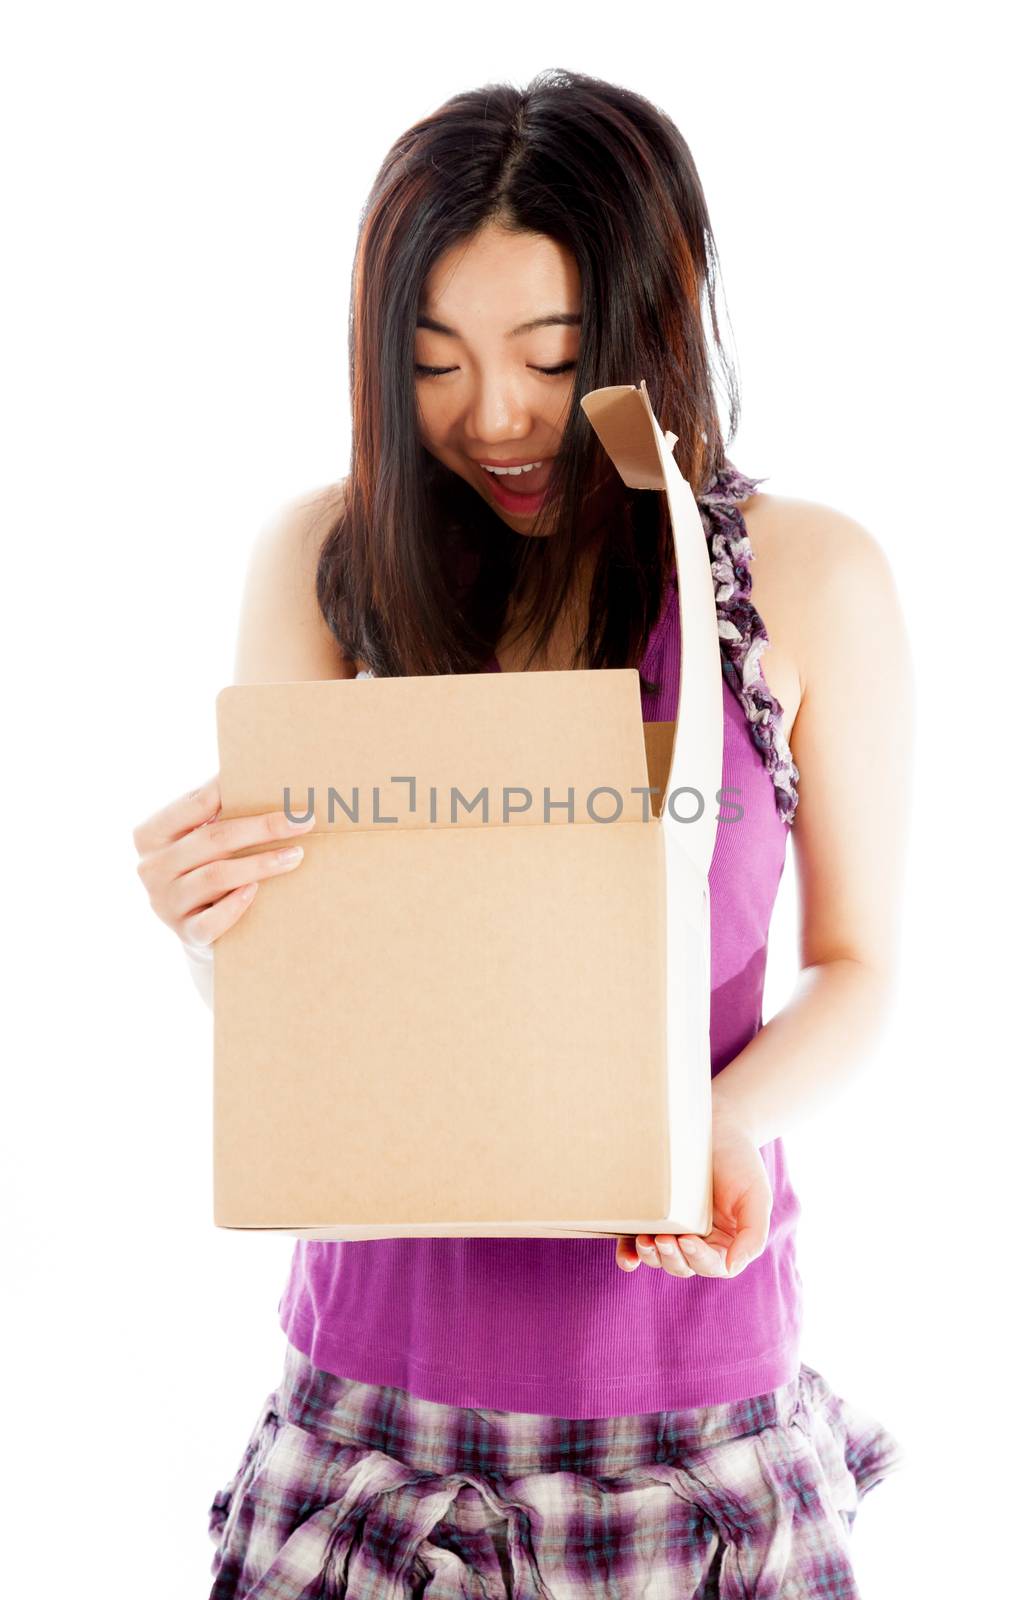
(523, 504)
(510, 461)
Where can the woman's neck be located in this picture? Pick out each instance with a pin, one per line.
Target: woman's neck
(560, 653)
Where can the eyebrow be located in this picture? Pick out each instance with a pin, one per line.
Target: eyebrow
(555, 319)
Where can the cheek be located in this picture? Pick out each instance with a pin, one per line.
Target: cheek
(550, 413)
(434, 415)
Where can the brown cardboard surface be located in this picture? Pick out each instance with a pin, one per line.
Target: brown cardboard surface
(452, 1022)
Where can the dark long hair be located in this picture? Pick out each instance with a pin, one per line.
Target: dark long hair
(416, 571)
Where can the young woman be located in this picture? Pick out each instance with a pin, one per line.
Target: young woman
(479, 1416)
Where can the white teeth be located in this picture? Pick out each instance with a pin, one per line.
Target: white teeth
(514, 472)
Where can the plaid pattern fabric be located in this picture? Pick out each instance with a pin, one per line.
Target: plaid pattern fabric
(351, 1489)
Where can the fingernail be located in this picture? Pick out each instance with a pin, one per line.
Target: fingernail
(739, 1262)
(668, 1247)
(295, 852)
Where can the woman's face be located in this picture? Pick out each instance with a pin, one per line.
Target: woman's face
(500, 320)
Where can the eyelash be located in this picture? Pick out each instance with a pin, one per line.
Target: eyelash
(438, 372)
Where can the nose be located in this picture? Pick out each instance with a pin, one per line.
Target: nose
(498, 412)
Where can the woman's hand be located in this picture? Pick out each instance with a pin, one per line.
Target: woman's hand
(742, 1212)
(183, 861)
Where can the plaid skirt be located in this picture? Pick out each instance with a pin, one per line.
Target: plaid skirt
(352, 1489)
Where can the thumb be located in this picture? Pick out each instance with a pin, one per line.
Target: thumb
(752, 1223)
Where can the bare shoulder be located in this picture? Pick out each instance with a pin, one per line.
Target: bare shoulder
(817, 574)
(282, 634)
(798, 542)
(298, 530)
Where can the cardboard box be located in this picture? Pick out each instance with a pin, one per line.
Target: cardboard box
(452, 1023)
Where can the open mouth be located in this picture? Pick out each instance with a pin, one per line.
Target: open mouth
(520, 491)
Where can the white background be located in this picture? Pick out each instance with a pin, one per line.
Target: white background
(181, 190)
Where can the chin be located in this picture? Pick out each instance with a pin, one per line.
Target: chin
(513, 523)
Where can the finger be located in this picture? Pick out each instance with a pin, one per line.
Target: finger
(225, 837)
(626, 1252)
(709, 1262)
(205, 927)
(168, 873)
(206, 886)
(648, 1250)
(671, 1256)
(718, 1238)
(179, 817)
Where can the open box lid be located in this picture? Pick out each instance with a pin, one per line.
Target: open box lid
(642, 454)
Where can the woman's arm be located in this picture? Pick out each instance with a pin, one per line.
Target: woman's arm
(282, 636)
(852, 741)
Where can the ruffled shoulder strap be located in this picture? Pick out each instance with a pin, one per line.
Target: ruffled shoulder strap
(741, 631)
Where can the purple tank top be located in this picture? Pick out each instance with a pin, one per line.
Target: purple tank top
(553, 1325)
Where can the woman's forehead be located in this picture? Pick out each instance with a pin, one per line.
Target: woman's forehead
(514, 281)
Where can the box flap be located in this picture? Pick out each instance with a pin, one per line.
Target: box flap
(463, 750)
(629, 431)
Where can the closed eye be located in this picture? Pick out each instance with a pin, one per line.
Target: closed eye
(438, 372)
